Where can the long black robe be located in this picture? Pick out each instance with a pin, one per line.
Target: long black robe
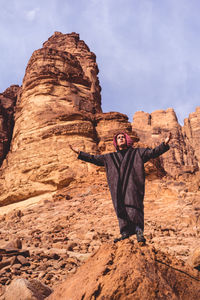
(126, 180)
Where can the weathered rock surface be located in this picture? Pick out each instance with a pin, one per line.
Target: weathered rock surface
(59, 95)
(153, 128)
(191, 131)
(194, 258)
(72, 44)
(24, 290)
(7, 104)
(125, 271)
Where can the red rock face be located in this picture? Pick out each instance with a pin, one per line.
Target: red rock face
(59, 97)
(191, 131)
(72, 44)
(153, 128)
(7, 104)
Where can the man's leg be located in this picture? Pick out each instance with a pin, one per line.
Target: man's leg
(136, 221)
(139, 234)
(123, 236)
(124, 230)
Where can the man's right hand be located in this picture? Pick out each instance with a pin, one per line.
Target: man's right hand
(75, 150)
(168, 138)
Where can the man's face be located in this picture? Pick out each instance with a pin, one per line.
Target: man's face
(121, 140)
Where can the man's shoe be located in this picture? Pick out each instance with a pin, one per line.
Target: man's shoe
(124, 236)
(140, 236)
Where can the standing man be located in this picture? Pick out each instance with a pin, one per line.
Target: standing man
(126, 180)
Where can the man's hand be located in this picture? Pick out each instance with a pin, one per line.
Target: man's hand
(168, 139)
(75, 150)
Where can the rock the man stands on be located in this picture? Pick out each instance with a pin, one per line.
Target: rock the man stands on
(126, 180)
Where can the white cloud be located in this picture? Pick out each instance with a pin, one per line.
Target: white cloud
(147, 51)
(31, 14)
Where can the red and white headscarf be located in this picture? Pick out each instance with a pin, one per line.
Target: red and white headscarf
(129, 141)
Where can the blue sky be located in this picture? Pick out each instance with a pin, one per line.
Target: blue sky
(148, 51)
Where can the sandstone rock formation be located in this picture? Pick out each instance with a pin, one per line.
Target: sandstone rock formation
(59, 95)
(153, 128)
(71, 43)
(125, 271)
(59, 104)
(191, 131)
(7, 104)
(194, 259)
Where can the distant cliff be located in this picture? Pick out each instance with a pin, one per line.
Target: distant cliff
(7, 105)
(184, 155)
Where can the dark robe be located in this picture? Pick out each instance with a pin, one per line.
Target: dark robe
(126, 180)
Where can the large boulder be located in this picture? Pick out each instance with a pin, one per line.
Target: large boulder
(26, 290)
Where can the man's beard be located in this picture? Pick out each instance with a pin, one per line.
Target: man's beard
(123, 146)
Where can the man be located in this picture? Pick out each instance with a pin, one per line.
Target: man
(126, 180)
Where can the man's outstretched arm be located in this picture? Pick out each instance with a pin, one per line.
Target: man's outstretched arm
(97, 160)
(157, 151)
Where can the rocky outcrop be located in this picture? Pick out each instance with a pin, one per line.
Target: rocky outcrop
(194, 259)
(86, 100)
(59, 96)
(7, 104)
(125, 271)
(191, 131)
(153, 128)
(12, 258)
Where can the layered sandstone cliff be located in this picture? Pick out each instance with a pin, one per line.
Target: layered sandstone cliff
(59, 95)
(59, 104)
(191, 132)
(7, 104)
(153, 128)
(87, 101)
